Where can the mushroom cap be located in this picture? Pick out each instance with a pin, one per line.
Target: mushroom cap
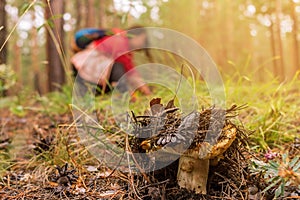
(172, 135)
(205, 150)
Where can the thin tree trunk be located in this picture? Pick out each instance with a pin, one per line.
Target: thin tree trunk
(79, 15)
(34, 58)
(295, 38)
(54, 46)
(3, 32)
(273, 47)
(102, 14)
(91, 14)
(279, 40)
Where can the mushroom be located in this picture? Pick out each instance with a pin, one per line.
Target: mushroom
(194, 163)
(184, 138)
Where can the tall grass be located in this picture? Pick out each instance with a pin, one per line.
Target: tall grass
(272, 109)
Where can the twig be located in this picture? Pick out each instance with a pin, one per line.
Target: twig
(154, 184)
(135, 161)
(129, 168)
(113, 171)
(215, 197)
(65, 195)
(231, 183)
(179, 83)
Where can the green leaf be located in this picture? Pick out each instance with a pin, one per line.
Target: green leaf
(18, 110)
(280, 190)
(40, 27)
(274, 165)
(296, 167)
(272, 179)
(272, 185)
(294, 161)
(284, 157)
(25, 6)
(54, 17)
(50, 23)
(259, 163)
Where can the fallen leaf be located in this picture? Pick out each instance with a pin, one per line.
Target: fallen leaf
(170, 104)
(91, 169)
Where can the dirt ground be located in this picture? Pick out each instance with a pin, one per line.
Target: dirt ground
(41, 159)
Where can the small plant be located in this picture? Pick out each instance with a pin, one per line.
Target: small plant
(56, 102)
(7, 78)
(18, 110)
(278, 173)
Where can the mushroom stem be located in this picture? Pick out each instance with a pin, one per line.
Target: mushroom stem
(193, 173)
(194, 163)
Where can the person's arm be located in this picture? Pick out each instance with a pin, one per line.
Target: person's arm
(133, 75)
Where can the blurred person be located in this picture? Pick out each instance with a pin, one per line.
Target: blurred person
(116, 44)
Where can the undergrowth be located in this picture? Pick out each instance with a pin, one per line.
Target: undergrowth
(271, 114)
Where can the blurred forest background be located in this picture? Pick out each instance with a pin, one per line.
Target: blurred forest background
(254, 39)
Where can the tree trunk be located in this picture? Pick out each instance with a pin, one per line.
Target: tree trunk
(3, 35)
(3, 32)
(295, 38)
(274, 53)
(102, 14)
(34, 58)
(79, 14)
(54, 46)
(279, 40)
(91, 14)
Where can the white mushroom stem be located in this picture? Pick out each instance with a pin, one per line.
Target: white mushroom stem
(193, 173)
(194, 163)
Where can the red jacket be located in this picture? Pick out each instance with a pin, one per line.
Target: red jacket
(116, 47)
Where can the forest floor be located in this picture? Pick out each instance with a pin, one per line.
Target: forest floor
(41, 156)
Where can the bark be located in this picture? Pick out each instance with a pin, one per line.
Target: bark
(3, 32)
(279, 40)
(91, 14)
(102, 14)
(34, 58)
(79, 14)
(54, 46)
